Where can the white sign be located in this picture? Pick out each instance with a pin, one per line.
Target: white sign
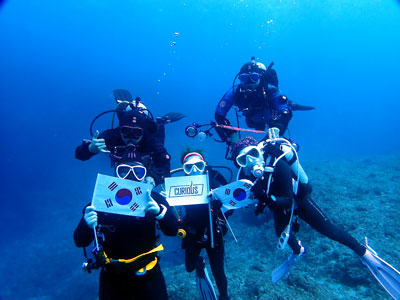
(187, 190)
(120, 196)
(235, 195)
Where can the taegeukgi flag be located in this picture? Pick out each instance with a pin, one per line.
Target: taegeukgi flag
(234, 195)
(120, 196)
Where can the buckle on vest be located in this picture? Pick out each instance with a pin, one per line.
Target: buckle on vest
(141, 272)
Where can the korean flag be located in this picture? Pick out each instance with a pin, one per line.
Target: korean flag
(235, 195)
(120, 196)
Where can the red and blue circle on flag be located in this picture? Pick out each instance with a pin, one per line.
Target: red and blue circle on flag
(123, 196)
(239, 194)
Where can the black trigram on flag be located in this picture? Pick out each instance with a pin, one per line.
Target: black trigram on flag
(112, 186)
(247, 185)
(134, 206)
(108, 203)
(138, 190)
(227, 191)
(232, 203)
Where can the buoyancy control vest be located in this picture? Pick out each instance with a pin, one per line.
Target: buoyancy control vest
(248, 99)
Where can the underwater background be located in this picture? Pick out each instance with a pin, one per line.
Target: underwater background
(61, 60)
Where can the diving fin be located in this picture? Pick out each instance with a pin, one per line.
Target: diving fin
(170, 118)
(287, 265)
(203, 281)
(387, 275)
(122, 95)
(296, 106)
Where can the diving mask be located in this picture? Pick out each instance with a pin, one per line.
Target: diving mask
(194, 165)
(251, 158)
(249, 78)
(129, 132)
(124, 171)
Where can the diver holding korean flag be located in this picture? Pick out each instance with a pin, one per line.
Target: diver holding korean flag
(281, 184)
(204, 227)
(126, 239)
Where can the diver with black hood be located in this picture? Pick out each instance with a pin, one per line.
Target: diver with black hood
(137, 130)
(126, 247)
(258, 98)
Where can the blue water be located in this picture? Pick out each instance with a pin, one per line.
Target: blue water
(60, 61)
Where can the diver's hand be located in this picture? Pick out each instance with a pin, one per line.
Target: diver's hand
(150, 180)
(90, 216)
(259, 191)
(212, 196)
(97, 145)
(152, 206)
(214, 200)
(260, 208)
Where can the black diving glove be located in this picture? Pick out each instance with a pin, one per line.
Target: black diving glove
(259, 191)
(273, 149)
(216, 204)
(260, 207)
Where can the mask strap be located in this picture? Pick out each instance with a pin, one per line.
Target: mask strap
(192, 153)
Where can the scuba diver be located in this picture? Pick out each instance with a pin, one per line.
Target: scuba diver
(126, 249)
(196, 225)
(281, 184)
(137, 129)
(125, 101)
(258, 98)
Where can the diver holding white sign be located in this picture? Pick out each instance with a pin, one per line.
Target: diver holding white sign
(203, 226)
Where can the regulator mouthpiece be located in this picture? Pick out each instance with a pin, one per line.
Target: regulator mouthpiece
(257, 171)
(273, 133)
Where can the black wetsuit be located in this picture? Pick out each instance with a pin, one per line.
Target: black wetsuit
(197, 225)
(307, 209)
(149, 144)
(126, 237)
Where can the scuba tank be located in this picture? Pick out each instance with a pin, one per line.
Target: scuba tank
(294, 163)
(290, 154)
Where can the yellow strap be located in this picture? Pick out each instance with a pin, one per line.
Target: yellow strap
(149, 266)
(127, 261)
